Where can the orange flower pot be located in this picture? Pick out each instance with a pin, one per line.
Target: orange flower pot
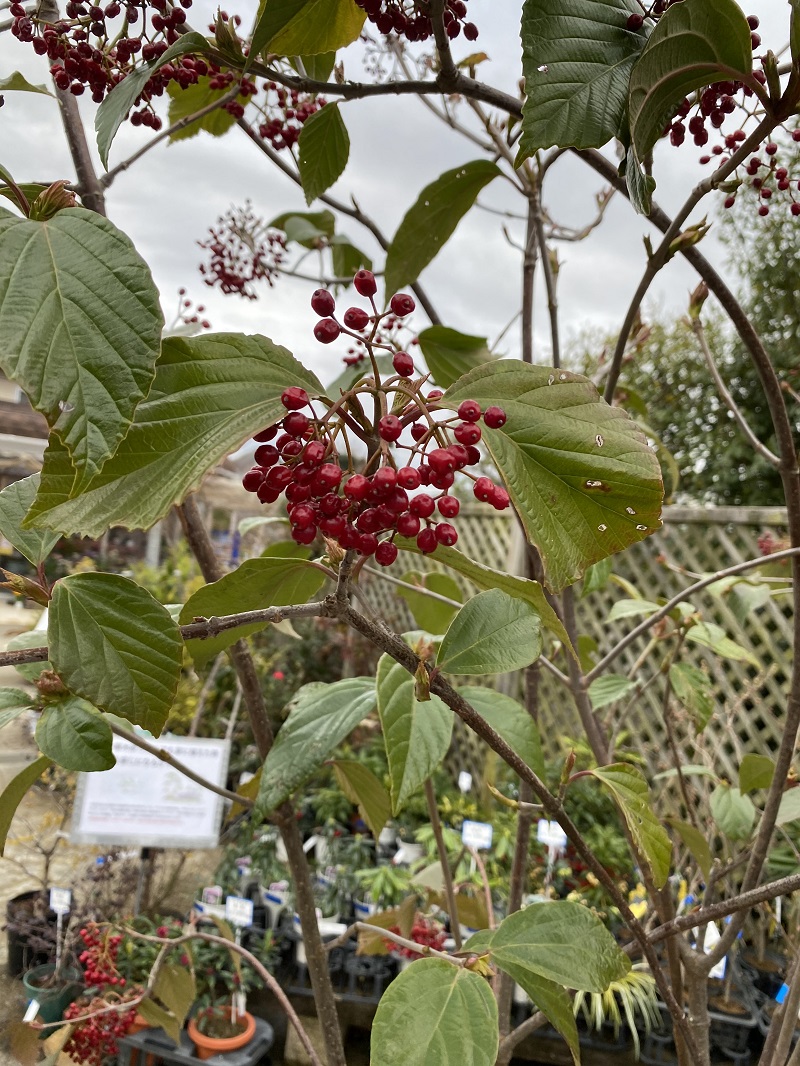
(206, 1046)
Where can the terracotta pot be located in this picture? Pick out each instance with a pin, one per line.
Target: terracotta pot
(206, 1046)
(138, 1025)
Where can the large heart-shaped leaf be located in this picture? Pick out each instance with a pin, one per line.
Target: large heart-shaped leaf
(115, 645)
(320, 717)
(577, 57)
(435, 1014)
(629, 788)
(693, 688)
(33, 639)
(111, 113)
(416, 733)
(509, 718)
(322, 151)
(694, 44)
(81, 327)
(755, 771)
(734, 813)
(433, 218)
(580, 473)
(255, 585)
(75, 735)
(16, 500)
(487, 578)
(608, 689)
(209, 395)
(562, 942)
(449, 354)
(14, 791)
(493, 633)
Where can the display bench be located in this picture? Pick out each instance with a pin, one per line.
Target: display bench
(151, 1047)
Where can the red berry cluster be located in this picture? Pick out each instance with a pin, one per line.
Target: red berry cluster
(767, 177)
(99, 957)
(284, 113)
(410, 18)
(425, 931)
(243, 250)
(297, 456)
(94, 1041)
(187, 314)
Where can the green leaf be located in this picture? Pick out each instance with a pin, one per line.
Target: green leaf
(629, 788)
(307, 228)
(286, 549)
(13, 703)
(306, 27)
(553, 1000)
(16, 500)
(561, 941)
(209, 395)
(257, 521)
(436, 1014)
(431, 615)
(255, 585)
(789, 809)
(712, 636)
(755, 771)
(641, 187)
(733, 812)
(30, 190)
(596, 577)
(493, 633)
(577, 57)
(449, 354)
(631, 609)
(111, 113)
(579, 472)
(81, 327)
(34, 639)
(114, 644)
(433, 218)
(691, 769)
(318, 68)
(346, 260)
(364, 789)
(417, 735)
(175, 988)
(353, 374)
(320, 717)
(696, 842)
(16, 82)
(13, 793)
(608, 689)
(510, 719)
(693, 45)
(75, 735)
(486, 578)
(693, 688)
(323, 149)
(188, 101)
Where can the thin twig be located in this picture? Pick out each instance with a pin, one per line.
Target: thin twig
(444, 862)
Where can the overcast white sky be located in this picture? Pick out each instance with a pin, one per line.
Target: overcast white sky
(167, 201)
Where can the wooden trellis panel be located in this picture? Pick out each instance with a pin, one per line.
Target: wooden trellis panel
(750, 701)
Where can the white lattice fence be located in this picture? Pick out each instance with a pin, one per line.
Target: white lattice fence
(750, 701)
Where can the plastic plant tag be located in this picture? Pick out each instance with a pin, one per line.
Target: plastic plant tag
(239, 911)
(464, 781)
(782, 993)
(32, 1011)
(60, 900)
(711, 938)
(550, 834)
(477, 835)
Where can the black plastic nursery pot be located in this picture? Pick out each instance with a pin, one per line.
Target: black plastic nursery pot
(732, 1016)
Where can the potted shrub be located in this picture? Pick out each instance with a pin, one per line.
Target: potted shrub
(53, 987)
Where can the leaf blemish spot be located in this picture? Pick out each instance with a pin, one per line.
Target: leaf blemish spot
(599, 440)
(630, 510)
(602, 527)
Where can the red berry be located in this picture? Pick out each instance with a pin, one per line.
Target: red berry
(390, 428)
(423, 505)
(418, 431)
(499, 498)
(384, 480)
(304, 534)
(483, 489)
(356, 318)
(357, 487)
(426, 541)
(268, 494)
(407, 525)
(441, 461)
(635, 22)
(314, 452)
(401, 305)
(267, 454)
(467, 433)
(295, 424)
(448, 506)
(443, 481)
(460, 455)
(795, 209)
(266, 434)
(323, 303)
(302, 515)
(367, 543)
(365, 284)
(329, 475)
(252, 479)
(445, 534)
(327, 330)
(494, 417)
(278, 477)
(403, 364)
(385, 553)
(434, 395)
(469, 411)
(293, 398)
(408, 477)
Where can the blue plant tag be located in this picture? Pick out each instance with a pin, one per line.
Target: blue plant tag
(782, 993)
